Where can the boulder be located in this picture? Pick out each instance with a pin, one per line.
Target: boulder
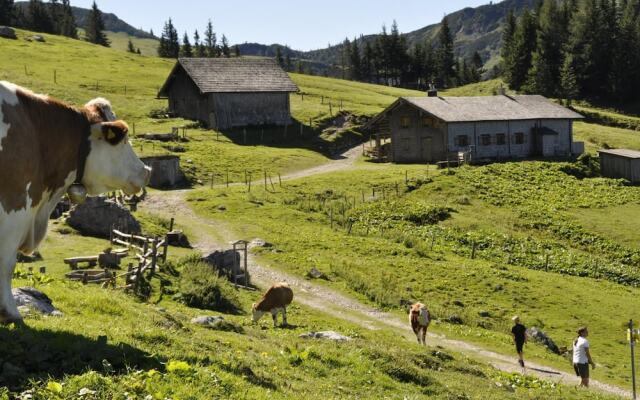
(96, 217)
(217, 323)
(224, 261)
(259, 243)
(178, 239)
(206, 320)
(33, 299)
(484, 314)
(7, 33)
(165, 173)
(454, 319)
(540, 337)
(327, 335)
(38, 38)
(315, 273)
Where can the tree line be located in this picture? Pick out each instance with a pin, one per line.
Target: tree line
(588, 49)
(55, 17)
(171, 46)
(388, 59)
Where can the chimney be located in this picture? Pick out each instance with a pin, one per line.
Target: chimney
(432, 92)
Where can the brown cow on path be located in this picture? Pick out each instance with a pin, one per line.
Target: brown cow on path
(46, 149)
(275, 300)
(420, 319)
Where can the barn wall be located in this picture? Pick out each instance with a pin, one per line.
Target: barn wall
(614, 166)
(185, 99)
(243, 109)
(417, 142)
(557, 145)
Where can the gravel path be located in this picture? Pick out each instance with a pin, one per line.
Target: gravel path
(213, 236)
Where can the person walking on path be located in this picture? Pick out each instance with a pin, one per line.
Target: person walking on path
(519, 333)
(582, 356)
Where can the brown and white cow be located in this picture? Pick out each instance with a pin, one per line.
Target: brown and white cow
(420, 319)
(275, 300)
(45, 147)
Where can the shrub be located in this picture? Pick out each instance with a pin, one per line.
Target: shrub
(202, 287)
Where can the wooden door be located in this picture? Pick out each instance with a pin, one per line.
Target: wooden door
(426, 149)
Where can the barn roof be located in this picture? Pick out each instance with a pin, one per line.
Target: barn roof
(626, 153)
(233, 75)
(491, 108)
(485, 108)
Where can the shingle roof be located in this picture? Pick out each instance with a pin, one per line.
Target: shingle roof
(622, 153)
(232, 75)
(491, 108)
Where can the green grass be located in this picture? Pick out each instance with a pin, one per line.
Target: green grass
(120, 41)
(600, 136)
(391, 260)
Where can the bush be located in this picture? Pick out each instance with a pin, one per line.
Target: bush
(202, 287)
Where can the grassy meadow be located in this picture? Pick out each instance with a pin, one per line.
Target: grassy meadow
(399, 233)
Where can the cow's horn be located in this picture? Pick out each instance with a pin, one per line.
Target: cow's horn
(77, 193)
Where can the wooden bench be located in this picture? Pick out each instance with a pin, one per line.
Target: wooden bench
(76, 262)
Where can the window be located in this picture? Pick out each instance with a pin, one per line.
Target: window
(501, 139)
(428, 121)
(485, 140)
(519, 137)
(405, 122)
(462, 140)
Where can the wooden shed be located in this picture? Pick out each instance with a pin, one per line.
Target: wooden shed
(224, 93)
(620, 163)
(482, 128)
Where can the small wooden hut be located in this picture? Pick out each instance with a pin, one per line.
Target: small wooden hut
(224, 93)
(621, 163)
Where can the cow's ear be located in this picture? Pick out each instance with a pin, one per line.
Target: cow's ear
(114, 132)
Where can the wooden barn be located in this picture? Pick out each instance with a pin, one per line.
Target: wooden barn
(224, 93)
(433, 128)
(620, 163)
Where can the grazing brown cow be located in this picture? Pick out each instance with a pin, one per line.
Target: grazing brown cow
(420, 320)
(275, 300)
(46, 149)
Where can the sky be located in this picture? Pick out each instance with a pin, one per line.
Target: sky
(301, 24)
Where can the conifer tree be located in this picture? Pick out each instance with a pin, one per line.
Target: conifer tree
(67, 22)
(279, 58)
(210, 41)
(445, 60)
(288, 66)
(186, 50)
(508, 38)
(568, 82)
(236, 51)
(224, 47)
(130, 47)
(169, 46)
(38, 18)
(6, 12)
(368, 62)
(355, 61)
(345, 56)
(198, 47)
(95, 27)
(524, 43)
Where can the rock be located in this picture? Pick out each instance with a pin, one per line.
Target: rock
(540, 337)
(178, 239)
(458, 303)
(206, 320)
(7, 33)
(484, 314)
(327, 335)
(455, 319)
(34, 300)
(222, 208)
(38, 38)
(223, 261)
(259, 243)
(97, 216)
(108, 260)
(315, 274)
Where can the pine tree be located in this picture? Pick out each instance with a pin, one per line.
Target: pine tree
(169, 46)
(138, 52)
(524, 43)
(547, 61)
(95, 27)
(224, 48)
(130, 47)
(568, 82)
(186, 50)
(198, 47)
(368, 62)
(445, 61)
(279, 58)
(625, 72)
(288, 64)
(508, 39)
(345, 56)
(6, 12)
(355, 61)
(476, 68)
(210, 41)
(38, 17)
(67, 22)
(585, 47)
(236, 51)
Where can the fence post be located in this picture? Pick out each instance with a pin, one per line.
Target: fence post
(473, 250)
(154, 255)
(279, 179)
(55, 76)
(265, 180)
(406, 176)
(632, 345)
(331, 217)
(249, 182)
(171, 224)
(165, 248)
(211, 175)
(227, 178)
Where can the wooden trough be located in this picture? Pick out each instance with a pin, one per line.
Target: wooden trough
(91, 276)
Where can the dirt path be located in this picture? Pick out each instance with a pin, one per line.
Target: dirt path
(212, 236)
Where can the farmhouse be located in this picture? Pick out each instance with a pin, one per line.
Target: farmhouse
(620, 163)
(434, 128)
(229, 92)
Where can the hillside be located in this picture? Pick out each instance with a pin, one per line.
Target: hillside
(109, 343)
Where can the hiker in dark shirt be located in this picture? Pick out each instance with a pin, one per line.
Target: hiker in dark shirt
(519, 333)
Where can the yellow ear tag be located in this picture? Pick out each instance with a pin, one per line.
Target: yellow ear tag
(111, 135)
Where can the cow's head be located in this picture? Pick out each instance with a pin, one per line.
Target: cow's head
(256, 314)
(111, 164)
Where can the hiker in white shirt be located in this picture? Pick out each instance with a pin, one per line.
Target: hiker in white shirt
(582, 357)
